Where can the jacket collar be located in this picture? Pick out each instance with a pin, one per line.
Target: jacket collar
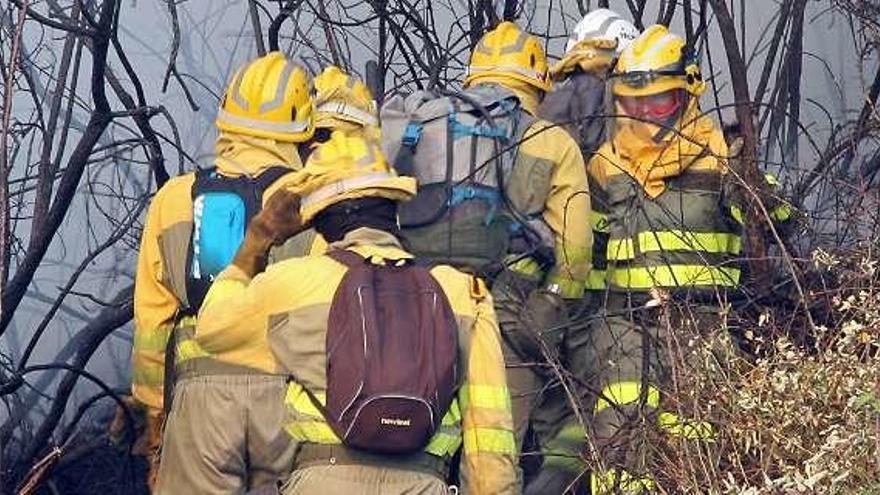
(366, 237)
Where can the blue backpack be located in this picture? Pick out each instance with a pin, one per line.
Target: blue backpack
(222, 208)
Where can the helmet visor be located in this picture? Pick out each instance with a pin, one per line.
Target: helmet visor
(657, 108)
(644, 78)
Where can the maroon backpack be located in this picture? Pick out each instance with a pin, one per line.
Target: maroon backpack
(392, 355)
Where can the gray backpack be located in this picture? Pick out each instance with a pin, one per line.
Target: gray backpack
(462, 148)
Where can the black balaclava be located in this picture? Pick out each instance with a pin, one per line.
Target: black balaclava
(341, 218)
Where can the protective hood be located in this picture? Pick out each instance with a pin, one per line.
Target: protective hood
(238, 154)
(591, 56)
(529, 96)
(652, 153)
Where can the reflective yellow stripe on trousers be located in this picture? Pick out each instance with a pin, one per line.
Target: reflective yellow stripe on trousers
(622, 393)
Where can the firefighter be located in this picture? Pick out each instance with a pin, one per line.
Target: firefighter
(675, 239)
(350, 195)
(193, 226)
(531, 293)
(580, 103)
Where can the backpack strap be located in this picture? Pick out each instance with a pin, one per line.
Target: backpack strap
(352, 259)
(524, 122)
(195, 289)
(404, 162)
(269, 176)
(346, 257)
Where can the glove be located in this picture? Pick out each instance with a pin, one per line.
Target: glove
(155, 424)
(544, 312)
(278, 221)
(593, 56)
(536, 331)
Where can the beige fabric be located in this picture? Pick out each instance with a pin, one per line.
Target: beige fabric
(362, 480)
(238, 154)
(224, 435)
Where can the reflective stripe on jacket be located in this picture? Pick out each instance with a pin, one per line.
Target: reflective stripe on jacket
(685, 237)
(289, 304)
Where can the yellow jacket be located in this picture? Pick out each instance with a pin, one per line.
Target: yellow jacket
(557, 188)
(669, 221)
(160, 282)
(288, 306)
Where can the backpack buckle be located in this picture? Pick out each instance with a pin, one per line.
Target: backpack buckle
(412, 135)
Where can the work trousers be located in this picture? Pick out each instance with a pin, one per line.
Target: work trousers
(354, 479)
(638, 352)
(224, 435)
(546, 374)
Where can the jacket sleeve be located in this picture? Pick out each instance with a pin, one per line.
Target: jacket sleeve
(233, 314)
(155, 307)
(779, 210)
(488, 464)
(567, 213)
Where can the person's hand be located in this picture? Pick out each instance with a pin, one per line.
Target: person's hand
(279, 219)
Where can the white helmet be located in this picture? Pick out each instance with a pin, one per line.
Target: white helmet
(604, 24)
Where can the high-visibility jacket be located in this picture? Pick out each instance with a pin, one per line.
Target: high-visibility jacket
(160, 283)
(556, 186)
(289, 305)
(579, 105)
(689, 236)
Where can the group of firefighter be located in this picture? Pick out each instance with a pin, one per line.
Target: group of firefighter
(502, 254)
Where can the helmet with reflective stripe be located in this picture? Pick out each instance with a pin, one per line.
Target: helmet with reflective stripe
(603, 24)
(656, 62)
(340, 96)
(508, 51)
(270, 97)
(347, 166)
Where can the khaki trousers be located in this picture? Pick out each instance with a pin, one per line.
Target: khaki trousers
(224, 435)
(356, 479)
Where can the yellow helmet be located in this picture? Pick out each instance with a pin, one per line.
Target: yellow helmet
(342, 98)
(346, 167)
(270, 97)
(508, 51)
(656, 62)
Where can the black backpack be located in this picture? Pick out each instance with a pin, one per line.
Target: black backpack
(392, 355)
(222, 208)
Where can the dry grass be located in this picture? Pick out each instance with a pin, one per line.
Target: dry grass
(790, 418)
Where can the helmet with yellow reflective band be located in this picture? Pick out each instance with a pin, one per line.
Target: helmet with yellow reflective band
(270, 97)
(509, 52)
(342, 98)
(656, 62)
(343, 168)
